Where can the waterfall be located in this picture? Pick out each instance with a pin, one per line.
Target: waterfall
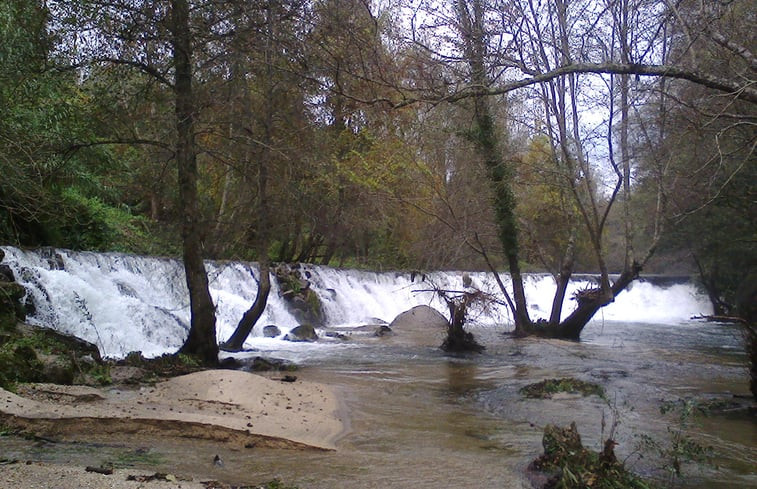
(125, 303)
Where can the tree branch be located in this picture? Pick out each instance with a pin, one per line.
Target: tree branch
(744, 91)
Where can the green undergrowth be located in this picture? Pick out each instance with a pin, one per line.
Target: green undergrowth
(21, 355)
(566, 464)
(549, 387)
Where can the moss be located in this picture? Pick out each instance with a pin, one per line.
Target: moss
(549, 387)
(18, 363)
(29, 354)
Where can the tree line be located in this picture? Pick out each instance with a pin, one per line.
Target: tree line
(608, 136)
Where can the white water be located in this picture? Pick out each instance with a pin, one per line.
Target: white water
(125, 303)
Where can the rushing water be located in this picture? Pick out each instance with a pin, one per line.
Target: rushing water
(419, 418)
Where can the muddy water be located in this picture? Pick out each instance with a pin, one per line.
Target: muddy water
(420, 419)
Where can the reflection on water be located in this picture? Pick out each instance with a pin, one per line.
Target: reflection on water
(421, 419)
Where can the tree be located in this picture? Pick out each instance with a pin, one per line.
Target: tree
(201, 340)
(555, 49)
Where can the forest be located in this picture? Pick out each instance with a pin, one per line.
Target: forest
(602, 136)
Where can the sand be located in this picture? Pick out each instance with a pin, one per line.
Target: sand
(47, 476)
(228, 406)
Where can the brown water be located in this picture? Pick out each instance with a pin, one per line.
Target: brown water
(420, 419)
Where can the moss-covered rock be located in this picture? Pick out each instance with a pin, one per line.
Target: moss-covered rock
(302, 301)
(303, 332)
(11, 310)
(18, 363)
(32, 354)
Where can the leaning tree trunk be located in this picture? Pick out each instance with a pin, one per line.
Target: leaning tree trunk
(251, 317)
(201, 341)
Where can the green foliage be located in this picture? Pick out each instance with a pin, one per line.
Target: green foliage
(571, 466)
(18, 363)
(547, 388)
(680, 448)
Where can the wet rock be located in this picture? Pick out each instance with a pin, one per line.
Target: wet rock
(261, 364)
(11, 309)
(303, 332)
(301, 300)
(271, 331)
(6, 273)
(336, 335)
(383, 330)
(420, 316)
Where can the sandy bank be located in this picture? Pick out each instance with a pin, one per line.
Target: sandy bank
(46, 476)
(234, 407)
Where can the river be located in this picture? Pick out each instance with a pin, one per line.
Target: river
(422, 419)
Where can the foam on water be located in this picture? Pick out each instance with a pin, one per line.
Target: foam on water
(125, 303)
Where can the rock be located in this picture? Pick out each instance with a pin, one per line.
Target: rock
(467, 280)
(11, 309)
(19, 364)
(6, 273)
(33, 354)
(64, 342)
(261, 364)
(300, 298)
(336, 335)
(303, 332)
(11, 292)
(271, 331)
(57, 369)
(127, 374)
(420, 316)
(383, 330)
(258, 364)
(54, 259)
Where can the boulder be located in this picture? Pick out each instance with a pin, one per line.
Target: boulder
(11, 309)
(271, 331)
(57, 369)
(420, 316)
(303, 332)
(62, 343)
(6, 273)
(301, 300)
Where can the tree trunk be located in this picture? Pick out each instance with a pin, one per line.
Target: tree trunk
(201, 341)
(458, 340)
(251, 317)
(471, 25)
(589, 302)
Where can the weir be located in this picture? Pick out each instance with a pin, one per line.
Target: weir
(125, 303)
